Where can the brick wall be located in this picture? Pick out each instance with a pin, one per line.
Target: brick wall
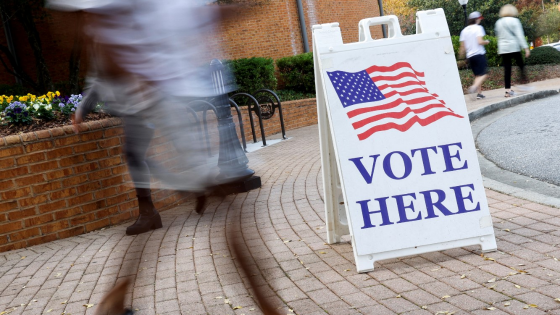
(269, 30)
(56, 184)
(297, 114)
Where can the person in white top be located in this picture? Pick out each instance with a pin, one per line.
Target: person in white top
(472, 44)
(511, 40)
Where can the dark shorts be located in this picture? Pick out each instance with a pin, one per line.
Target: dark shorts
(478, 64)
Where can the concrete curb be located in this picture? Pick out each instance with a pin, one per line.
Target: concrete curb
(520, 193)
(510, 103)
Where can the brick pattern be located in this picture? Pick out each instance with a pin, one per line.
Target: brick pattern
(269, 30)
(56, 184)
(297, 114)
(188, 268)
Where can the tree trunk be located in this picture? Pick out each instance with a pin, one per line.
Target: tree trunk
(74, 66)
(25, 16)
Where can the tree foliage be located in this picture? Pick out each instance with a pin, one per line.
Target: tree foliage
(530, 14)
(548, 23)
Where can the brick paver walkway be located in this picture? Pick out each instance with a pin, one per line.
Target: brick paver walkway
(187, 267)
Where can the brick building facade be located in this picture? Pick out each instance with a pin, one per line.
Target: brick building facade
(268, 30)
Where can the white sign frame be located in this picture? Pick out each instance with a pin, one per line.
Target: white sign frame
(327, 42)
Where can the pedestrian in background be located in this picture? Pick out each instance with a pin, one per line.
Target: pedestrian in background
(511, 40)
(472, 44)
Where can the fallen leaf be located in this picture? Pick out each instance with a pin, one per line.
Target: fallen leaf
(322, 252)
(532, 305)
(436, 269)
(252, 309)
(290, 310)
(526, 306)
(491, 308)
(23, 257)
(507, 230)
(445, 297)
(49, 310)
(492, 287)
(398, 296)
(346, 269)
(557, 299)
(226, 301)
(424, 307)
(507, 303)
(517, 286)
(489, 258)
(492, 280)
(287, 241)
(64, 302)
(463, 276)
(88, 305)
(236, 308)
(219, 297)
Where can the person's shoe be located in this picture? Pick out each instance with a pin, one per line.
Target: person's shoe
(149, 218)
(480, 96)
(509, 93)
(201, 200)
(113, 301)
(471, 91)
(526, 88)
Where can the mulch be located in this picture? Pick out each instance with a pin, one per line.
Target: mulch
(59, 121)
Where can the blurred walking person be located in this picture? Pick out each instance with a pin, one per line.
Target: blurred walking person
(472, 44)
(148, 61)
(511, 40)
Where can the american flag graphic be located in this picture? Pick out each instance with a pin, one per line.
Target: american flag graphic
(387, 97)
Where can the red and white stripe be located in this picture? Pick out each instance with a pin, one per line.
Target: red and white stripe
(407, 101)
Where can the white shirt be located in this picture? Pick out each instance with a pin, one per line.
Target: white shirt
(510, 35)
(167, 45)
(469, 35)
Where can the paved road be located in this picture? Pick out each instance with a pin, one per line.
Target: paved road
(526, 141)
(187, 267)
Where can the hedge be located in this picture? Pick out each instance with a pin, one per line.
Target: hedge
(544, 55)
(252, 74)
(296, 72)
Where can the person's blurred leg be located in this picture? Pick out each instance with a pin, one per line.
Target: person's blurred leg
(138, 135)
(506, 59)
(519, 61)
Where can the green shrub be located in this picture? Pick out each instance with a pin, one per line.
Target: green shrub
(456, 44)
(543, 55)
(492, 56)
(296, 72)
(252, 74)
(290, 95)
(494, 60)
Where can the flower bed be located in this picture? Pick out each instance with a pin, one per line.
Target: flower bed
(19, 114)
